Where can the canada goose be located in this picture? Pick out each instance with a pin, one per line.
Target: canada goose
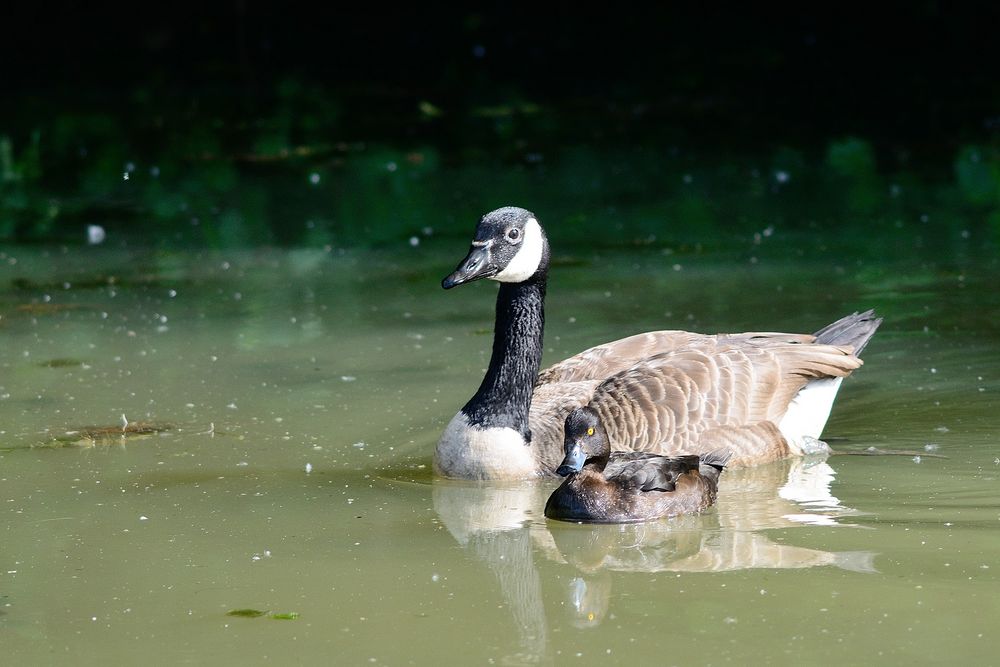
(761, 396)
(624, 487)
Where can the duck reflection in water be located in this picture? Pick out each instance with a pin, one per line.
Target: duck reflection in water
(504, 527)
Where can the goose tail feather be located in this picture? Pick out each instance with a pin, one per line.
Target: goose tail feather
(854, 330)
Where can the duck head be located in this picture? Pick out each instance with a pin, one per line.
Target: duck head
(509, 247)
(585, 442)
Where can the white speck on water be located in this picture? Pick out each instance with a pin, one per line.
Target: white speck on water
(391, 166)
(154, 171)
(309, 468)
(232, 406)
(242, 464)
(125, 176)
(729, 620)
(916, 459)
(781, 176)
(435, 577)
(677, 267)
(314, 178)
(143, 518)
(414, 241)
(172, 293)
(348, 378)
(95, 234)
(688, 179)
(359, 445)
(931, 447)
(933, 370)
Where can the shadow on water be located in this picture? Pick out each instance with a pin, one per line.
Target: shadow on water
(503, 526)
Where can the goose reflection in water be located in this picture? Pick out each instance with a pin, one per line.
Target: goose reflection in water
(504, 527)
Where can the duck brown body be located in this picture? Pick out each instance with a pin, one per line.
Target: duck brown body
(619, 494)
(624, 487)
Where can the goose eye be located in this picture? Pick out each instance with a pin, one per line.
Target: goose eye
(590, 431)
(514, 234)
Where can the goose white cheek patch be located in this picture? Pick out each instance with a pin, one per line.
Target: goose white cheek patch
(527, 259)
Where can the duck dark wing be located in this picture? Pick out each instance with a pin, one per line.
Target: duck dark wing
(649, 472)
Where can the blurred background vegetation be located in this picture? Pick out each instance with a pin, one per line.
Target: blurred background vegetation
(239, 124)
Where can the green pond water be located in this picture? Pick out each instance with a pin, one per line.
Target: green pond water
(292, 400)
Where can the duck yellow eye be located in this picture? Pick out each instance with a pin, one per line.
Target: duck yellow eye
(590, 431)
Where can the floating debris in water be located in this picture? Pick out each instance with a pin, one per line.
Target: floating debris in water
(309, 468)
(257, 613)
(916, 459)
(62, 363)
(348, 378)
(46, 308)
(96, 233)
(91, 436)
(931, 447)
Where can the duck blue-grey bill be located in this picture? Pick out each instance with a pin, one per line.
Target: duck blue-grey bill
(477, 264)
(572, 462)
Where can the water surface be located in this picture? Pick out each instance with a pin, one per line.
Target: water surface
(301, 393)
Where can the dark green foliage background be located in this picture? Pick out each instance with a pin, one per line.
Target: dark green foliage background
(243, 124)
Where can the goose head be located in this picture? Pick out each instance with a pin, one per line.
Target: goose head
(585, 442)
(509, 247)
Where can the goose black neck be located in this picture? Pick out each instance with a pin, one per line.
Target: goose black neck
(504, 397)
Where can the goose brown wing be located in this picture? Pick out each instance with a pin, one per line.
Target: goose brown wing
(665, 403)
(602, 361)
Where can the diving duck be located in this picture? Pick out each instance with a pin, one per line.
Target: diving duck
(626, 487)
(760, 396)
